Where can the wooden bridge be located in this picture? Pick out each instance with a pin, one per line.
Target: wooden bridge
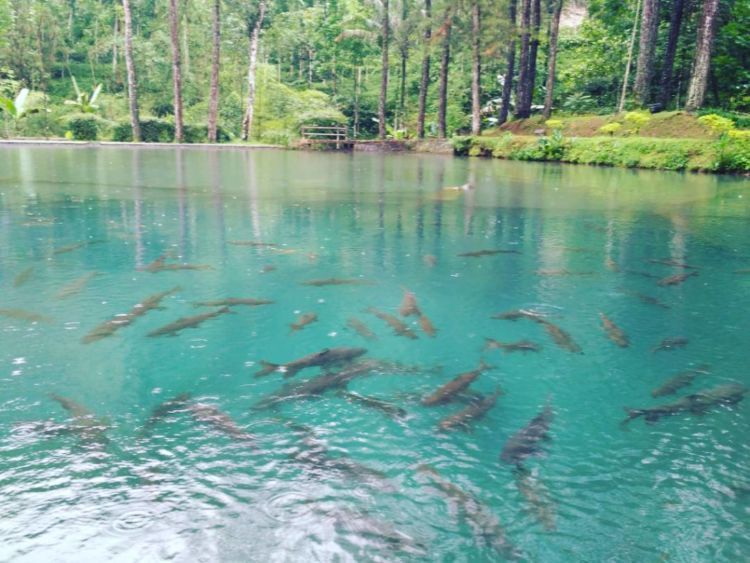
(334, 136)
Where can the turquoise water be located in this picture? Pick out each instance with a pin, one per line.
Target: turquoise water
(329, 479)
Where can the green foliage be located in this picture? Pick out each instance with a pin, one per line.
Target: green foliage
(716, 123)
(83, 102)
(578, 102)
(740, 120)
(610, 128)
(83, 127)
(162, 109)
(636, 119)
(554, 123)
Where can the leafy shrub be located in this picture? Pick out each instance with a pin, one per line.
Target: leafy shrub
(610, 128)
(199, 134)
(152, 131)
(162, 109)
(83, 127)
(554, 123)
(122, 133)
(636, 120)
(716, 123)
(578, 102)
(740, 120)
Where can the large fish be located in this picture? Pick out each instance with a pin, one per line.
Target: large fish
(303, 321)
(336, 281)
(519, 314)
(163, 410)
(448, 391)
(234, 301)
(371, 402)
(697, 403)
(676, 279)
(90, 429)
(76, 286)
(426, 325)
(682, 379)
(23, 315)
(324, 358)
(180, 324)
(23, 277)
(409, 305)
(507, 347)
(614, 332)
(218, 420)
(673, 263)
(527, 441)
(671, 344)
(537, 496)
(75, 246)
(480, 253)
(561, 338)
(474, 411)
(361, 328)
(645, 298)
(253, 243)
(397, 325)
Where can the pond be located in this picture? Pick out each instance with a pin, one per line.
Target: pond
(271, 356)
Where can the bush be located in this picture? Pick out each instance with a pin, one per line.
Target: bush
(716, 123)
(610, 128)
(152, 131)
(162, 109)
(83, 127)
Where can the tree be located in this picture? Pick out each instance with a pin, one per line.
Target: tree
(646, 47)
(523, 63)
(425, 81)
(554, 31)
(213, 97)
(625, 78)
(701, 64)
(385, 31)
(445, 60)
(174, 35)
(135, 123)
(476, 68)
(675, 22)
(536, 19)
(254, 36)
(509, 65)
(84, 102)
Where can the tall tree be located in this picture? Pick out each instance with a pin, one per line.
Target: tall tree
(523, 63)
(254, 32)
(554, 31)
(174, 33)
(135, 123)
(646, 47)
(445, 61)
(702, 61)
(384, 70)
(213, 98)
(629, 63)
(675, 22)
(536, 24)
(509, 65)
(425, 81)
(476, 68)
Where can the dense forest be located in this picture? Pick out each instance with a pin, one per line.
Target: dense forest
(191, 70)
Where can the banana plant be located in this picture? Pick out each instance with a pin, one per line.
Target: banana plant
(16, 108)
(84, 102)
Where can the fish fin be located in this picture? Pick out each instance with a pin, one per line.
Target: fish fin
(268, 367)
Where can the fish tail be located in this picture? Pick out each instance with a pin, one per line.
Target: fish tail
(268, 367)
(632, 413)
(484, 366)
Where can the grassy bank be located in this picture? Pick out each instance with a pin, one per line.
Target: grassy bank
(724, 154)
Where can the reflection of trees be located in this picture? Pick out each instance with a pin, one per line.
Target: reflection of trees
(137, 182)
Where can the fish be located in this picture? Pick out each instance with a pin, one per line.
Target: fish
(324, 358)
(671, 344)
(485, 524)
(474, 411)
(480, 253)
(303, 321)
(89, 429)
(682, 379)
(744, 271)
(371, 402)
(507, 347)
(537, 496)
(641, 273)
(337, 281)
(561, 338)
(614, 332)
(283, 250)
(526, 442)
(218, 420)
(234, 301)
(429, 260)
(398, 327)
(409, 305)
(518, 314)
(677, 279)
(697, 403)
(75, 286)
(163, 410)
(611, 265)
(361, 328)
(646, 299)
(562, 272)
(75, 246)
(253, 243)
(23, 315)
(673, 263)
(448, 391)
(23, 277)
(195, 321)
(267, 268)
(154, 268)
(427, 327)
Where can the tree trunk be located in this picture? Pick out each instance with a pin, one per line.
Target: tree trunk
(476, 68)
(357, 87)
(701, 63)
(130, 66)
(626, 77)
(444, 67)
(174, 31)
(383, 73)
(402, 88)
(247, 121)
(213, 98)
(554, 32)
(646, 47)
(425, 82)
(115, 32)
(665, 90)
(523, 63)
(510, 65)
(536, 19)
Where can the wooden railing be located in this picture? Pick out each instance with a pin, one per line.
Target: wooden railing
(333, 134)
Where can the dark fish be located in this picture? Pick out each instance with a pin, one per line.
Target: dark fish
(427, 327)
(234, 301)
(23, 315)
(409, 305)
(75, 246)
(324, 358)
(551, 273)
(682, 379)
(519, 314)
(507, 347)
(485, 524)
(154, 268)
(253, 243)
(561, 338)
(76, 286)
(218, 420)
(23, 277)
(398, 327)
(163, 410)
(526, 442)
(267, 268)
(677, 279)
(697, 403)
(429, 260)
(479, 253)
(614, 332)
(303, 321)
(448, 391)
(472, 412)
(337, 281)
(83, 423)
(641, 273)
(537, 496)
(187, 322)
(646, 298)
(671, 344)
(361, 328)
(371, 402)
(673, 263)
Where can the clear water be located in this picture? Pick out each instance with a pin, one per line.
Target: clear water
(676, 490)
